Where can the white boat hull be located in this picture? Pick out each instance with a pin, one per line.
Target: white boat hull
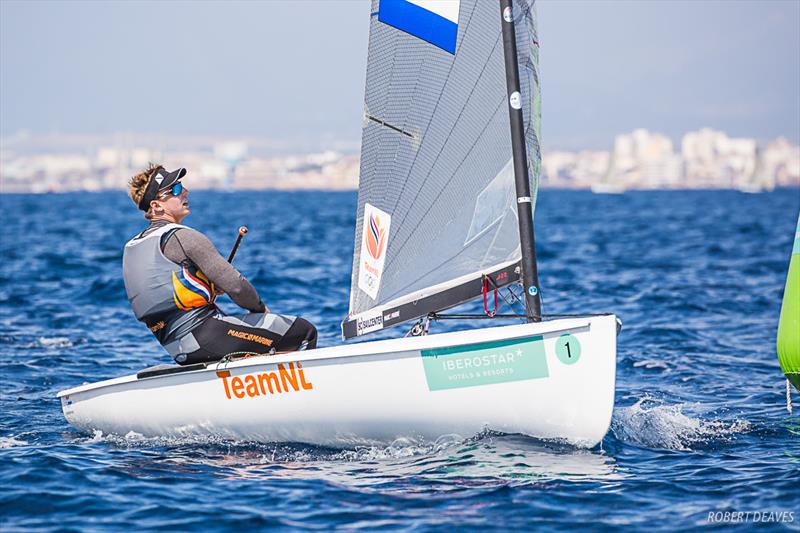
(513, 379)
(608, 188)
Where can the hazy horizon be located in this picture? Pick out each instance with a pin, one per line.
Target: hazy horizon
(287, 71)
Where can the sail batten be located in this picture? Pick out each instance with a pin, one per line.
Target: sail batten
(435, 180)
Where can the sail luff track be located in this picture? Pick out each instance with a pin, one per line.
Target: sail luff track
(530, 277)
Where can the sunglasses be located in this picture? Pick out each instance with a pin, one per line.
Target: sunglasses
(175, 190)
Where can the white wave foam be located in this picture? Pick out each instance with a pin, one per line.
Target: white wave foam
(11, 442)
(400, 448)
(132, 436)
(650, 364)
(283, 452)
(652, 424)
(54, 343)
(133, 439)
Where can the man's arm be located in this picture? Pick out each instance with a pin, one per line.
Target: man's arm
(190, 243)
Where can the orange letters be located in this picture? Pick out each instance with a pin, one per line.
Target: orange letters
(252, 385)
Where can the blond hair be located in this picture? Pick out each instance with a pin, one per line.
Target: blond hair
(137, 185)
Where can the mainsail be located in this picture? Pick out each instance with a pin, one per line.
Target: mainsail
(437, 208)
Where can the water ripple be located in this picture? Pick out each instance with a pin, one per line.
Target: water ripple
(700, 423)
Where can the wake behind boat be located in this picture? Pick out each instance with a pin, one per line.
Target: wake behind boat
(444, 217)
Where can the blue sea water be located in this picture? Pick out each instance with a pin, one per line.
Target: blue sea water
(699, 426)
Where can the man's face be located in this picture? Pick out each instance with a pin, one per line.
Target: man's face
(175, 207)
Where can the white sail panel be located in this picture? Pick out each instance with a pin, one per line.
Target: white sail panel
(436, 152)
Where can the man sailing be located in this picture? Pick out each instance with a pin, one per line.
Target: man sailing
(173, 273)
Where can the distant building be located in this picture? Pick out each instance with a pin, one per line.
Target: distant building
(712, 159)
(645, 160)
(638, 160)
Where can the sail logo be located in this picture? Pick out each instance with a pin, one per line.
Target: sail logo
(376, 237)
(434, 21)
(374, 245)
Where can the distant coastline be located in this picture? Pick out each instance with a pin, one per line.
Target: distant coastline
(640, 160)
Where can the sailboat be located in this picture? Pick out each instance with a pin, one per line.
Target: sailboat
(788, 339)
(450, 162)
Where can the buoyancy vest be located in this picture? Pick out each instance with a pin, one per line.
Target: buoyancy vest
(170, 298)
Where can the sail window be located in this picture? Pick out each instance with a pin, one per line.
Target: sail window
(492, 204)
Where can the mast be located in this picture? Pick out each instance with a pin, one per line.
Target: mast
(530, 276)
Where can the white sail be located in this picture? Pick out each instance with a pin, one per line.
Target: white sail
(436, 203)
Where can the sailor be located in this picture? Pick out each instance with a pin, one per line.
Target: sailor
(173, 273)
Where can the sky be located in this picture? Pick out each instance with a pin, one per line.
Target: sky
(296, 70)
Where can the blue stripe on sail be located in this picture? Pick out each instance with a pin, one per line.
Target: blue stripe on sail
(419, 22)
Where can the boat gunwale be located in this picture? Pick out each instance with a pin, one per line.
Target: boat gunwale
(379, 347)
